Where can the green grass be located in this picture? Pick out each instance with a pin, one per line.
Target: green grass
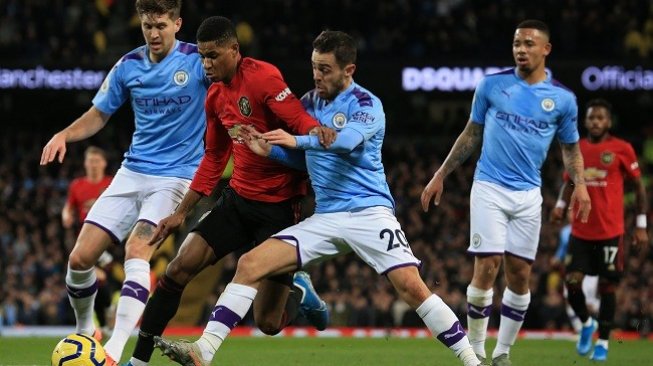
(351, 351)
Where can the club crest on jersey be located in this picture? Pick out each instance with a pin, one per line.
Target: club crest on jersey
(244, 106)
(180, 78)
(548, 104)
(339, 120)
(607, 157)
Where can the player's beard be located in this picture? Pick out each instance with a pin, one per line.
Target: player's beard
(338, 87)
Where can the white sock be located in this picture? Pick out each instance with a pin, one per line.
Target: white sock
(602, 342)
(82, 288)
(133, 297)
(137, 362)
(513, 311)
(230, 309)
(588, 322)
(443, 324)
(479, 307)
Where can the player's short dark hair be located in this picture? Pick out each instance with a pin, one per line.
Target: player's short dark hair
(159, 7)
(341, 44)
(535, 24)
(95, 150)
(600, 102)
(218, 29)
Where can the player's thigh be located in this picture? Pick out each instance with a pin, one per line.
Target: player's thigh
(610, 259)
(488, 222)
(222, 228)
(160, 197)
(116, 210)
(193, 256)
(90, 244)
(523, 234)
(377, 238)
(316, 238)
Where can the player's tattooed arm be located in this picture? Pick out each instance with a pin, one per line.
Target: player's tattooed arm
(573, 161)
(465, 145)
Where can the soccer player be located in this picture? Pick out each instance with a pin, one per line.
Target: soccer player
(354, 209)
(262, 196)
(82, 194)
(166, 86)
(596, 246)
(515, 116)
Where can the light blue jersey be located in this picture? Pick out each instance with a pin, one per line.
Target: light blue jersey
(520, 121)
(168, 103)
(350, 175)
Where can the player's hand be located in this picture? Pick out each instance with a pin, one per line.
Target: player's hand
(640, 240)
(433, 190)
(555, 263)
(67, 220)
(556, 216)
(165, 228)
(581, 198)
(325, 135)
(56, 146)
(252, 138)
(281, 138)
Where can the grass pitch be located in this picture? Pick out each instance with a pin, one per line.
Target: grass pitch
(351, 351)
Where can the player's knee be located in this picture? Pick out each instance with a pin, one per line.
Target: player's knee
(138, 250)
(574, 281)
(268, 327)
(80, 261)
(177, 272)
(246, 272)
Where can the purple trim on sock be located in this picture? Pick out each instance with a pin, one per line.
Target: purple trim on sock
(512, 313)
(224, 315)
(453, 335)
(529, 260)
(478, 312)
(80, 293)
(418, 265)
(113, 236)
(287, 238)
(135, 290)
(148, 221)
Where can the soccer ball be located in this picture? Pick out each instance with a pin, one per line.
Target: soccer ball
(78, 350)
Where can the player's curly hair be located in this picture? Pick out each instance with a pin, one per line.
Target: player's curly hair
(340, 43)
(159, 7)
(218, 29)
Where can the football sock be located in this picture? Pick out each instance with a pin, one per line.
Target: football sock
(576, 299)
(513, 311)
(606, 314)
(479, 307)
(230, 309)
(134, 294)
(161, 307)
(82, 288)
(443, 324)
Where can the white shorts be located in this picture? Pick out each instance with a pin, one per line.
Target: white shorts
(133, 197)
(504, 221)
(374, 234)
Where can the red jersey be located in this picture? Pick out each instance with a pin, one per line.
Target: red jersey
(82, 194)
(607, 164)
(257, 95)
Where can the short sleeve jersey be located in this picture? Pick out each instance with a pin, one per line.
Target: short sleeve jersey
(520, 121)
(168, 103)
(353, 181)
(607, 164)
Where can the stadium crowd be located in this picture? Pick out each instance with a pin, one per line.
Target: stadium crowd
(34, 245)
(91, 33)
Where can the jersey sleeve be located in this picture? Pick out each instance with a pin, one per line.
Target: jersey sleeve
(366, 119)
(480, 103)
(216, 153)
(629, 161)
(568, 128)
(113, 92)
(284, 104)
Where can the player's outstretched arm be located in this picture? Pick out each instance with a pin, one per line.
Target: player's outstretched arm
(88, 124)
(465, 145)
(573, 160)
